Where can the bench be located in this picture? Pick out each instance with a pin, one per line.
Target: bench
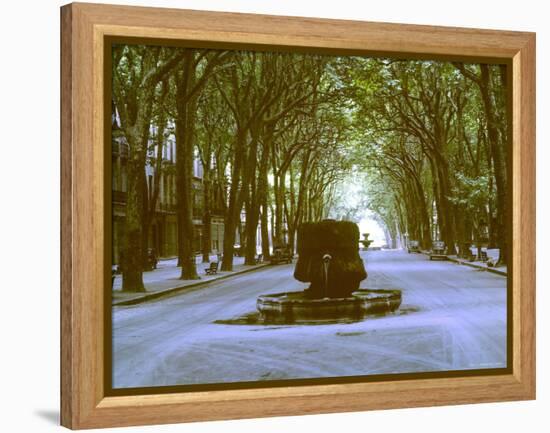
(212, 269)
(259, 258)
(472, 257)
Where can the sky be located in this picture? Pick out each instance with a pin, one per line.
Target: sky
(368, 225)
(351, 196)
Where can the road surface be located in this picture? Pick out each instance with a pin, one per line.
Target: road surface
(452, 317)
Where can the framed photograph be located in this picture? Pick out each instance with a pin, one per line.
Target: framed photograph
(267, 216)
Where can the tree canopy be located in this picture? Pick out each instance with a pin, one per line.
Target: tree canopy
(285, 138)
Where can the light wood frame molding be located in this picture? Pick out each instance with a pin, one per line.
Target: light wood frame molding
(83, 28)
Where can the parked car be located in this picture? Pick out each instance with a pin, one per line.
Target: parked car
(439, 251)
(281, 255)
(414, 247)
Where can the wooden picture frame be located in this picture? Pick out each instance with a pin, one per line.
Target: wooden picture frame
(84, 28)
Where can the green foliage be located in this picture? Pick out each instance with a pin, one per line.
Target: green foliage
(311, 136)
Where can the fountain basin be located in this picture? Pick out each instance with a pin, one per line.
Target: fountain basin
(297, 307)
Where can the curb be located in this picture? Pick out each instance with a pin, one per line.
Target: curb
(481, 267)
(173, 290)
(473, 265)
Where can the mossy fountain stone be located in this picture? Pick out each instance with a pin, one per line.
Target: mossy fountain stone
(328, 259)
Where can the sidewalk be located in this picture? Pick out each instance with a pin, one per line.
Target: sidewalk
(492, 254)
(165, 280)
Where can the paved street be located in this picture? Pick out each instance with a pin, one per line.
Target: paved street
(452, 317)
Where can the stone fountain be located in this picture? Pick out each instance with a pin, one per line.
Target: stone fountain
(329, 260)
(366, 241)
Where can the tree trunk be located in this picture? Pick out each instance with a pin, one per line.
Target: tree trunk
(265, 231)
(152, 191)
(185, 126)
(207, 217)
(251, 229)
(499, 163)
(146, 220)
(132, 257)
(425, 233)
(263, 197)
(253, 203)
(232, 216)
(279, 190)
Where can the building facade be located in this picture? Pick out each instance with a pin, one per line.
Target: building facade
(163, 228)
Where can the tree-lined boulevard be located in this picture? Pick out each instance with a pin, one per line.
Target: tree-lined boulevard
(284, 139)
(419, 147)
